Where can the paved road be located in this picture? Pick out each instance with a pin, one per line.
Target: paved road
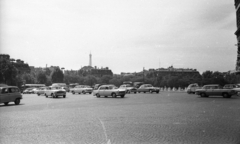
(166, 117)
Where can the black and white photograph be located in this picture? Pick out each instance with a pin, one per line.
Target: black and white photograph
(119, 72)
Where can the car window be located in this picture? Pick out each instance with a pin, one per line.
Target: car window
(5, 90)
(102, 88)
(13, 90)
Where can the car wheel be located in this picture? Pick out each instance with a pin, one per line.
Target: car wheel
(38, 94)
(17, 101)
(157, 92)
(225, 95)
(135, 92)
(64, 96)
(122, 96)
(114, 95)
(6, 103)
(203, 95)
(144, 92)
(83, 92)
(90, 93)
(98, 95)
(52, 95)
(73, 92)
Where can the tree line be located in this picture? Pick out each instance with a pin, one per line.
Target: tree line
(10, 75)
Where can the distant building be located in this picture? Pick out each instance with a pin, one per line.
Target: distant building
(89, 70)
(237, 33)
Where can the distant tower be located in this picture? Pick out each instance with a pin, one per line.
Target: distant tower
(90, 59)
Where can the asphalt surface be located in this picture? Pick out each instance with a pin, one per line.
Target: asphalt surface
(167, 117)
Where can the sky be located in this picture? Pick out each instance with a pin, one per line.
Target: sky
(124, 35)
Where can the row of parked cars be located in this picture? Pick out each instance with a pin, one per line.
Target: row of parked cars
(226, 91)
(13, 93)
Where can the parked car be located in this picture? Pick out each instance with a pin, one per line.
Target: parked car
(10, 94)
(55, 92)
(128, 88)
(109, 90)
(63, 85)
(28, 91)
(41, 90)
(214, 90)
(147, 88)
(82, 89)
(192, 88)
(230, 86)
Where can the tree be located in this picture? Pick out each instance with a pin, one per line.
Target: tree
(57, 76)
(41, 78)
(8, 73)
(90, 80)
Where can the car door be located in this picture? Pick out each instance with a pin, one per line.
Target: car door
(208, 90)
(141, 88)
(4, 97)
(108, 90)
(101, 90)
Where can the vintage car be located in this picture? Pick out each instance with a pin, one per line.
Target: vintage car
(128, 88)
(109, 90)
(214, 90)
(82, 89)
(55, 92)
(192, 88)
(41, 90)
(147, 88)
(10, 94)
(28, 91)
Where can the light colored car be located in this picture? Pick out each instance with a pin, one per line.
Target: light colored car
(109, 90)
(28, 91)
(147, 88)
(63, 85)
(55, 92)
(10, 94)
(41, 90)
(82, 89)
(215, 90)
(192, 88)
(128, 88)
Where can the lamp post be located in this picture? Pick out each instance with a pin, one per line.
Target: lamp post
(12, 60)
(143, 75)
(62, 69)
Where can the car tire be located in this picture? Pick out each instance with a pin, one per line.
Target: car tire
(203, 95)
(83, 92)
(90, 93)
(157, 92)
(98, 95)
(6, 103)
(17, 101)
(52, 95)
(64, 96)
(225, 95)
(38, 94)
(73, 92)
(122, 96)
(135, 92)
(114, 95)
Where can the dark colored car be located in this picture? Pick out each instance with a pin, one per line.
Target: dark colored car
(147, 88)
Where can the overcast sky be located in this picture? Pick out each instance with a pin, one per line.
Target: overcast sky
(124, 35)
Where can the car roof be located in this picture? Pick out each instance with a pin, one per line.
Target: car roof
(107, 85)
(212, 85)
(8, 87)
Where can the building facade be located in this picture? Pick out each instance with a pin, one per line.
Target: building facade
(237, 33)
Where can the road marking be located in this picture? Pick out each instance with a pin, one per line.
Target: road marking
(105, 132)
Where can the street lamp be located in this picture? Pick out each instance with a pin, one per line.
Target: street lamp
(63, 69)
